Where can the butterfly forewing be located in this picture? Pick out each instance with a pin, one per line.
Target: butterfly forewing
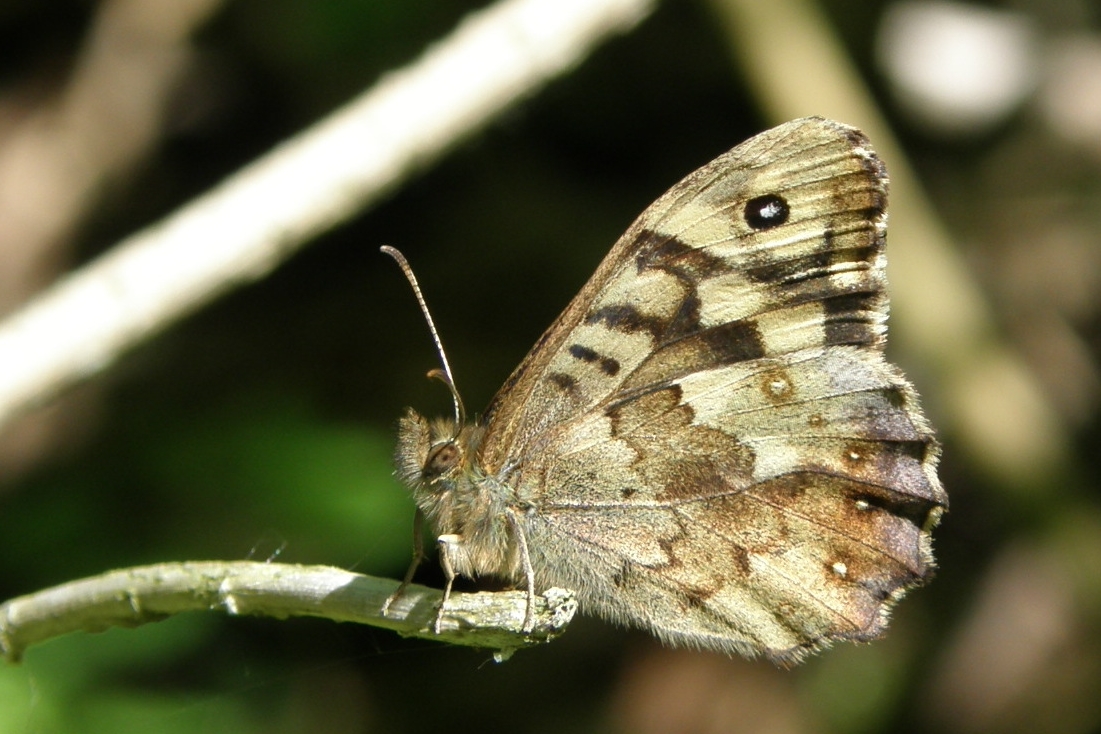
(692, 283)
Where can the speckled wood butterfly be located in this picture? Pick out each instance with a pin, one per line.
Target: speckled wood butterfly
(708, 443)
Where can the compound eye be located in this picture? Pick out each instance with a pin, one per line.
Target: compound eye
(441, 459)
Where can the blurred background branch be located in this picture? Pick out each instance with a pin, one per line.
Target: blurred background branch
(60, 150)
(253, 221)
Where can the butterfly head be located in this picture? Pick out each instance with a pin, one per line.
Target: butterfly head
(432, 456)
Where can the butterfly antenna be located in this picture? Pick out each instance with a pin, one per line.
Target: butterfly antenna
(445, 375)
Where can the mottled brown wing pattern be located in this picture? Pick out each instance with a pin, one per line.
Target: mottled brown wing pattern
(763, 506)
(708, 442)
(711, 441)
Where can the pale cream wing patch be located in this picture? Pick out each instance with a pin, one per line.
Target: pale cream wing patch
(705, 275)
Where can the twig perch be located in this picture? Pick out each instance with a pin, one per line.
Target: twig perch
(136, 596)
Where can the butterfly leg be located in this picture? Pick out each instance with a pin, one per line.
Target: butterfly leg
(418, 556)
(449, 546)
(529, 574)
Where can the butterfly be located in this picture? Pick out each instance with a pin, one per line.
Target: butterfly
(708, 443)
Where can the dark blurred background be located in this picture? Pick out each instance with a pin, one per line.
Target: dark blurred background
(261, 427)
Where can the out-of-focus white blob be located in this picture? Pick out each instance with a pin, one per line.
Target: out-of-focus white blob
(1070, 96)
(959, 69)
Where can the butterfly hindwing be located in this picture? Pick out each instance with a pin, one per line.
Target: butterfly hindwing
(739, 502)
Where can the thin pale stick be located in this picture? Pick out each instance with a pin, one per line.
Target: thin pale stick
(134, 596)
